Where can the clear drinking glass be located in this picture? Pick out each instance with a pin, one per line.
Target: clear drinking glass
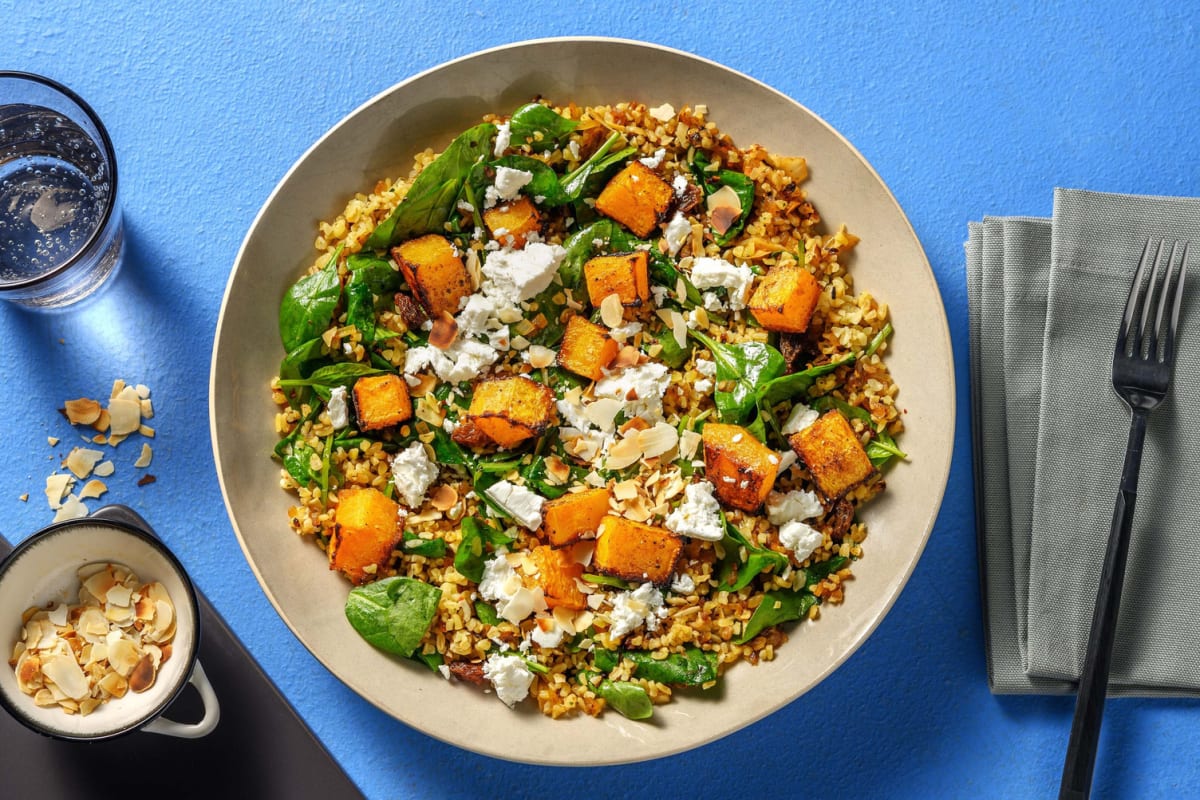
(61, 235)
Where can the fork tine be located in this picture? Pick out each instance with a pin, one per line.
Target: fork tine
(1160, 291)
(1153, 287)
(1133, 304)
(1174, 295)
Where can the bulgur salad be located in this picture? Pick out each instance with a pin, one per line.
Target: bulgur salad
(584, 407)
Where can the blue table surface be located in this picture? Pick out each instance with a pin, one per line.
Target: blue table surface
(961, 108)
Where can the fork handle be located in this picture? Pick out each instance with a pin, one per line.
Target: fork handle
(1093, 683)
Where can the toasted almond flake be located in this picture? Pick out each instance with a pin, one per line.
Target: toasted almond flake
(67, 676)
(519, 343)
(662, 438)
(557, 469)
(724, 207)
(146, 430)
(93, 489)
(83, 411)
(24, 497)
(57, 485)
(540, 356)
(429, 409)
(689, 442)
(625, 490)
(603, 412)
(147, 406)
(126, 416)
(71, 508)
(144, 459)
(118, 595)
(142, 677)
(104, 469)
(81, 460)
(114, 684)
(142, 390)
(679, 328)
(52, 440)
(444, 331)
(624, 453)
(663, 113)
(99, 438)
(117, 388)
(612, 313)
(102, 424)
(627, 357)
(114, 440)
(443, 497)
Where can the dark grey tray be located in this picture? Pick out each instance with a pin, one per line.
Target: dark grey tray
(260, 749)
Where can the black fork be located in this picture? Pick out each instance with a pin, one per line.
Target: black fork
(1141, 373)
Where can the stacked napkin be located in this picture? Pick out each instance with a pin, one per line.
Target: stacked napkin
(1045, 300)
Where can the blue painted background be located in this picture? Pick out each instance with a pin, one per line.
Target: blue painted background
(963, 108)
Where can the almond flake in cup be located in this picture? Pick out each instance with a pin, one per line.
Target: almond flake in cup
(101, 630)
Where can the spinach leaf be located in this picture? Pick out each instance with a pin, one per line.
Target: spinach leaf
(430, 548)
(788, 387)
(818, 572)
(628, 699)
(692, 667)
(468, 559)
(878, 339)
(671, 353)
(297, 364)
(777, 607)
(298, 462)
(360, 307)
(750, 365)
(552, 333)
(587, 179)
(432, 660)
(343, 373)
(486, 614)
(393, 614)
(580, 247)
(605, 660)
(536, 479)
(307, 308)
(732, 573)
(534, 118)
(433, 195)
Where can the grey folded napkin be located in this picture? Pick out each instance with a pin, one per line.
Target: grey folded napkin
(1045, 300)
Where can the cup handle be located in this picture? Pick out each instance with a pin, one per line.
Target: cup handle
(212, 712)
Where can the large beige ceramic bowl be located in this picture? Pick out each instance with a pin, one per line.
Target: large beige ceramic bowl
(379, 139)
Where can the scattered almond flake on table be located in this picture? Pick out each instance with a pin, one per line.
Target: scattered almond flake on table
(144, 458)
(93, 489)
(81, 461)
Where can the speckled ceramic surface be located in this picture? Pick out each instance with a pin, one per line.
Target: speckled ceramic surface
(379, 139)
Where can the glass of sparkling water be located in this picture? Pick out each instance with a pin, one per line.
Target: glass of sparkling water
(61, 235)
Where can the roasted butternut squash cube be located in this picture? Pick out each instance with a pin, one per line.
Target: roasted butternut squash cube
(740, 467)
(557, 572)
(785, 299)
(516, 218)
(635, 551)
(637, 198)
(381, 401)
(567, 519)
(437, 276)
(833, 454)
(627, 275)
(510, 410)
(586, 348)
(366, 530)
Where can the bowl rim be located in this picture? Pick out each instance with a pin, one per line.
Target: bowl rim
(57, 528)
(898, 579)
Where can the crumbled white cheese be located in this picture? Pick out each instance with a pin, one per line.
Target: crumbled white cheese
(339, 416)
(461, 361)
(549, 636)
(659, 293)
(706, 367)
(801, 538)
(512, 276)
(712, 302)
(801, 417)
(523, 505)
(623, 332)
(510, 677)
(680, 185)
(711, 273)
(572, 414)
(786, 459)
(413, 473)
(630, 609)
(683, 584)
(699, 515)
(478, 311)
(677, 232)
(500, 339)
(655, 161)
(508, 182)
(503, 139)
(795, 505)
(640, 388)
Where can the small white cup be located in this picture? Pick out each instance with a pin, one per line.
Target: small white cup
(43, 569)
